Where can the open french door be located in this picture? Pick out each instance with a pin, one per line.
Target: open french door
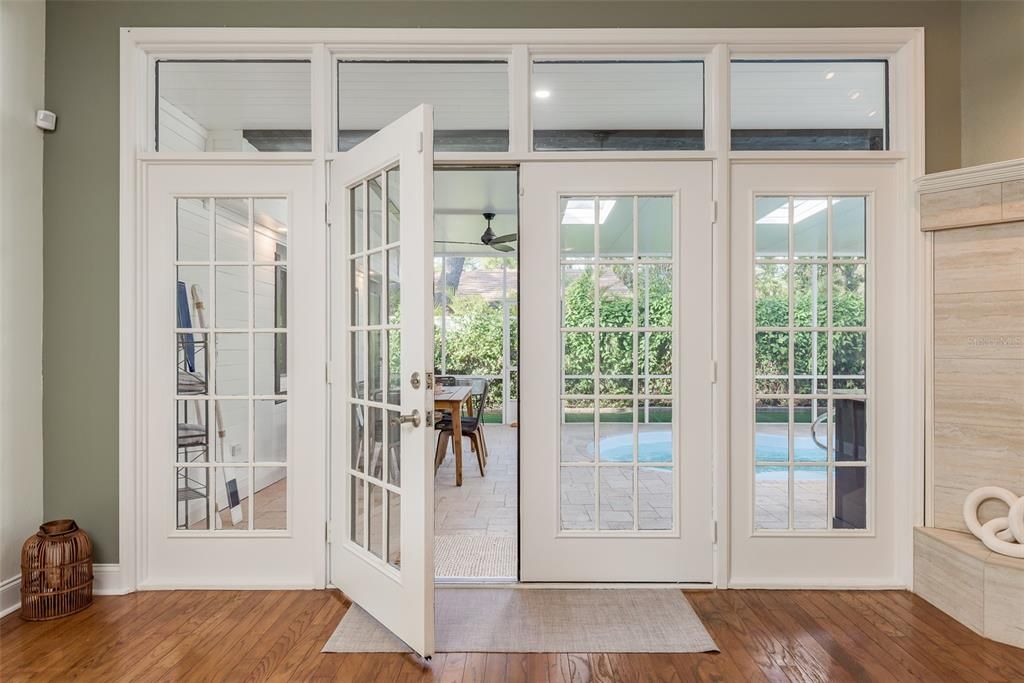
(382, 508)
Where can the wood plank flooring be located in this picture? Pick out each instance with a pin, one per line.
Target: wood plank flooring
(277, 636)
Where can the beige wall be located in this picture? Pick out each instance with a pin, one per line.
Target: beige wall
(992, 81)
(22, 33)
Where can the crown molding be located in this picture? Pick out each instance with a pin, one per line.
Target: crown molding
(972, 176)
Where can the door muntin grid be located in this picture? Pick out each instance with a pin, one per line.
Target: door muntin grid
(618, 448)
(812, 322)
(231, 330)
(373, 328)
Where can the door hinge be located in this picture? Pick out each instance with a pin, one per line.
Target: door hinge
(328, 217)
(419, 145)
(714, 211)
(714, 532)
(327, 531)
(714, 372)
(327, 373)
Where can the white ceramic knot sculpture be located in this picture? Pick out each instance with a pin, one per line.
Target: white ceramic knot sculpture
(1003, 535)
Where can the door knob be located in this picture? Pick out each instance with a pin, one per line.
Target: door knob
(413, 419)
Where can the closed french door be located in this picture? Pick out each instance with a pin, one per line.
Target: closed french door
(233, 412)
(382, 505)
(616, 421)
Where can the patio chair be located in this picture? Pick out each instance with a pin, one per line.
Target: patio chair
(472, 426)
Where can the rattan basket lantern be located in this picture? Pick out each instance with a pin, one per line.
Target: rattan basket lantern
(56, 571)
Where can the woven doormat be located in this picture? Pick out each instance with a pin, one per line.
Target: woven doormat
(542, 620)
(475, 557)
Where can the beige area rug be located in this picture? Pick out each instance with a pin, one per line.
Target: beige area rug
(542, 620)
(475, 557)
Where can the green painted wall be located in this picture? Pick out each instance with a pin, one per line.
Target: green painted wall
(80, 345)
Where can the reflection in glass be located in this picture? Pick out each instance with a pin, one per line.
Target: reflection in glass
(357, 447)
(849, 227)
(357, 513)
(375, 289)
(394, 529)
(810, 295)
(191, 302)
(771, 435)
(654, 489)
(233, 445)
(771, 498)
(232, 296)
(654, 233)
(616, 498)
(232, 229)
(771, 295)
(270, 229)
(375, 213)
(193, 227)
(270, 504)
(577, 498)
(192, 486)
(358, 306)
(270, 438)
(394, 205)
(394, 462)
(577, 431)
(810, 227)
(357, 222)
(810, 498)
(578, 218)
(578, 286)
(231, 361)
(850, 497)
(615, 233)
(376, 544)
(771, 227)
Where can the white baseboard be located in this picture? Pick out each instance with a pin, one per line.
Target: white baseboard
(107, 580)
(10, 595)
(817, 583)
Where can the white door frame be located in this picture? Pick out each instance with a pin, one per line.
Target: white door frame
(224, 558)
(684, 553)
(903, 47)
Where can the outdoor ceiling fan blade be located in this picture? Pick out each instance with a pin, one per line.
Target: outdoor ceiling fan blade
(511, 237)
(476, 244)
(501, 247)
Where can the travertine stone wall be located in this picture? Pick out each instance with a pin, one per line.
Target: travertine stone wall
(977, 391)
(977, 375)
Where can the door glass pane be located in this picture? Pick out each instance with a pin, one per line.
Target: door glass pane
(470, 98)
(617, 105)
(193, 229)
(233, 105)
(654, 489)
(617, 500)
(244, 422)
(810, 361)
(192, 486)
(617, 365)
(374, 354)
(809, 104)
(270, 505)
(577, 498)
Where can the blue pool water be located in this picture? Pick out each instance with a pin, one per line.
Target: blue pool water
(654, 447)
(773, 448)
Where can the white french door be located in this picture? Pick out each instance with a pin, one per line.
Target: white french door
(233, 413)
(382, 504)
(616, 385)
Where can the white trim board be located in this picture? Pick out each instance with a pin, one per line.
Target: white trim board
(10, 595)
(998, 172)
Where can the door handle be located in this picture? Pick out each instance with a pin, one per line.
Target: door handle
(413, 419)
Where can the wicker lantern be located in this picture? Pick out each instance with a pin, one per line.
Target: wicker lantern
(56, 571)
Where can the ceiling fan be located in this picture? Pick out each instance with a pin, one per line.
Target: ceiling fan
(488, 238)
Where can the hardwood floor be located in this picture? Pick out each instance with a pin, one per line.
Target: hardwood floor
(277, 635)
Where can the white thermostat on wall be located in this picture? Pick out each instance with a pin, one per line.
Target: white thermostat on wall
(46, 120)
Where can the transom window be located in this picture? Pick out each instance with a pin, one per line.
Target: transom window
(617, 457)
(232, 413)
(811, 334)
